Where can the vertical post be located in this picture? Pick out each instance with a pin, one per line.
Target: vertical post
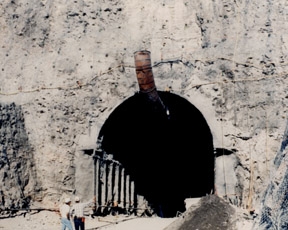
(127, 196)
(215, 188)
(122, 187)
(116, 184)
(132, 196)
(109, 182)
(97, 182)
(103, 186)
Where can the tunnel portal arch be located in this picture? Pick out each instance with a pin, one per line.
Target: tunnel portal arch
(169, 154)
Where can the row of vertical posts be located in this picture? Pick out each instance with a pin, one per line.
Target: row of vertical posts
(113, 188)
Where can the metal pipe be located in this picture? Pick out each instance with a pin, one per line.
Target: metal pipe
(145, 76)
(144, 71)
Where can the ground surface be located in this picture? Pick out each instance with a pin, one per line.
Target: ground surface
(211, 213)
(46, 220)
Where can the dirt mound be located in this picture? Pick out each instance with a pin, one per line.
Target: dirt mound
(211, 212)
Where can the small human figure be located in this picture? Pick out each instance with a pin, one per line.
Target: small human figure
(65, 215)
(77, 212)
(115, 208)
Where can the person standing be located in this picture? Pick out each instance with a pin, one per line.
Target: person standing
(77, 211)
(65, 215)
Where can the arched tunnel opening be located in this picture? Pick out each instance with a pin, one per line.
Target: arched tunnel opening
(169, 156)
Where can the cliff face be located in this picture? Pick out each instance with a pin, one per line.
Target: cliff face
(65, 67)
(19, 182)
(273, 211)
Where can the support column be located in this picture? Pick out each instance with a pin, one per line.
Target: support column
(97, 181)
(122, 188)
(132, 195)
(109, 183)
(127, 188)
(103, 186)
(116, 185)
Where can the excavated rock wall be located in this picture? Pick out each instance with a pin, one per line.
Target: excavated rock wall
(19, 182)
(273, 208)
(67, 65)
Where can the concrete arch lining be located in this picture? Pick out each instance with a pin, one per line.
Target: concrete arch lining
(170, 158)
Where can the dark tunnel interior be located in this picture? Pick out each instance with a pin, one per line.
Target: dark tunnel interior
(170, 158)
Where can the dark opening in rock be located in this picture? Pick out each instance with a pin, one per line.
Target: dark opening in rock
(170, 158)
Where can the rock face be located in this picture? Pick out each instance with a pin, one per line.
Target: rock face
(66, 67)
(273, 211)
(19, 182)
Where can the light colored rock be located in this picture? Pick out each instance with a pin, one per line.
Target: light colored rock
(68, 66)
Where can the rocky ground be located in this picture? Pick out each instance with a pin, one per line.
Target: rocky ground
(211, 213)
(47, 220)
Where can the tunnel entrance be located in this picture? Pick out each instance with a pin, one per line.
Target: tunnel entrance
(169, 155)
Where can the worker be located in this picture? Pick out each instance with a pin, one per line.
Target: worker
(77, 212)
(65, 215)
